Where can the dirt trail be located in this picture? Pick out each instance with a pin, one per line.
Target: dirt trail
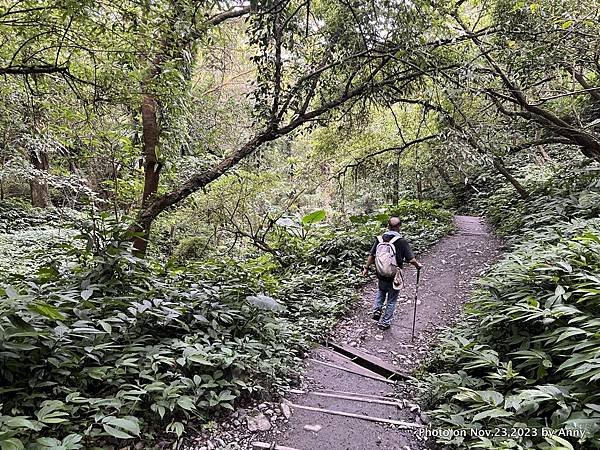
(450, 268)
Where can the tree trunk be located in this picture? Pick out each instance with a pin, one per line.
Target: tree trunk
(499, 165)
(150, 134)
(396, 183)
(150, 140)
(583, 82)
(40, 196)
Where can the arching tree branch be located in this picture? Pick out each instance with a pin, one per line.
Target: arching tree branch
(31, 70)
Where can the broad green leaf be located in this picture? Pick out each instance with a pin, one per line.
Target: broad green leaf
(563, 443)
(46, 310)
(11, 292)
(20, 422)
(11, 444)
(52, 412)
(492, 397)
(71, 440)
(176, 427)
(314, 217)
(263, 302)
(130, 424)
(492, 413)
(48, 442)
(115, 432)
(105, 326)
(567, 24)
(186, 403)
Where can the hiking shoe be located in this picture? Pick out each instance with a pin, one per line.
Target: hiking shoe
(376, 315)
(383, 326)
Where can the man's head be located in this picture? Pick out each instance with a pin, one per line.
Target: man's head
(394, 224)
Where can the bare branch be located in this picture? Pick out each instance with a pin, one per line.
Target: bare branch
(594, 92)
(399, 150)
(30, 70)
(590, 145)
(526, 145)
(226, 15)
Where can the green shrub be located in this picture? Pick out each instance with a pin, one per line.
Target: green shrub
(176, 346)
(30, 237)
(526, 354)
(571, 192)
(101, 346)
(529, 352)
(423, 222)
(16, 216)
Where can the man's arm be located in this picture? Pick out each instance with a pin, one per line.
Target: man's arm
(368, 263)
(410, 257)
(370, 259)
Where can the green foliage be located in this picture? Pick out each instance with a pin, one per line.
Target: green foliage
(423, 222)
(526, 353)
(165, 347)
(568, 192)
(15, 216)
(314, 217)
(103, 346)
(190, 248)
(30, 237)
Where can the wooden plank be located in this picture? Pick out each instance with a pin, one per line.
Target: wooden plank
(331, 351)
(357, 399)
(371, 362)
(270, 446)
(345, 369)
(296, 391)
(333, 357)
(373, 376)
(357, 394)
(400, 423)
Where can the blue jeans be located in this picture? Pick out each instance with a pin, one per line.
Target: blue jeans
(386, 289)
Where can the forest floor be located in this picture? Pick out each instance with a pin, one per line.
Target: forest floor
(450, 269)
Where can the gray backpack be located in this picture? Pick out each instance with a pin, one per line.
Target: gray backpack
(385, 257)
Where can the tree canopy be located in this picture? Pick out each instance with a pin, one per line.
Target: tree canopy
(149, 144)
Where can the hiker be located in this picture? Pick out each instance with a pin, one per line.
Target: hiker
(389, 252)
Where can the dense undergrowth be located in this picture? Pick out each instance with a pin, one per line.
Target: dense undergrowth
(100, 346)
(29, 235)
(527, 358)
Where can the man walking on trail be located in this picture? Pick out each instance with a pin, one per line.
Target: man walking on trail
(389, 252)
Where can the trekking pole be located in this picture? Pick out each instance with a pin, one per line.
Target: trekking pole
(415, 308)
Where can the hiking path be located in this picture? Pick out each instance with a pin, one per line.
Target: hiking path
(338, 385)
